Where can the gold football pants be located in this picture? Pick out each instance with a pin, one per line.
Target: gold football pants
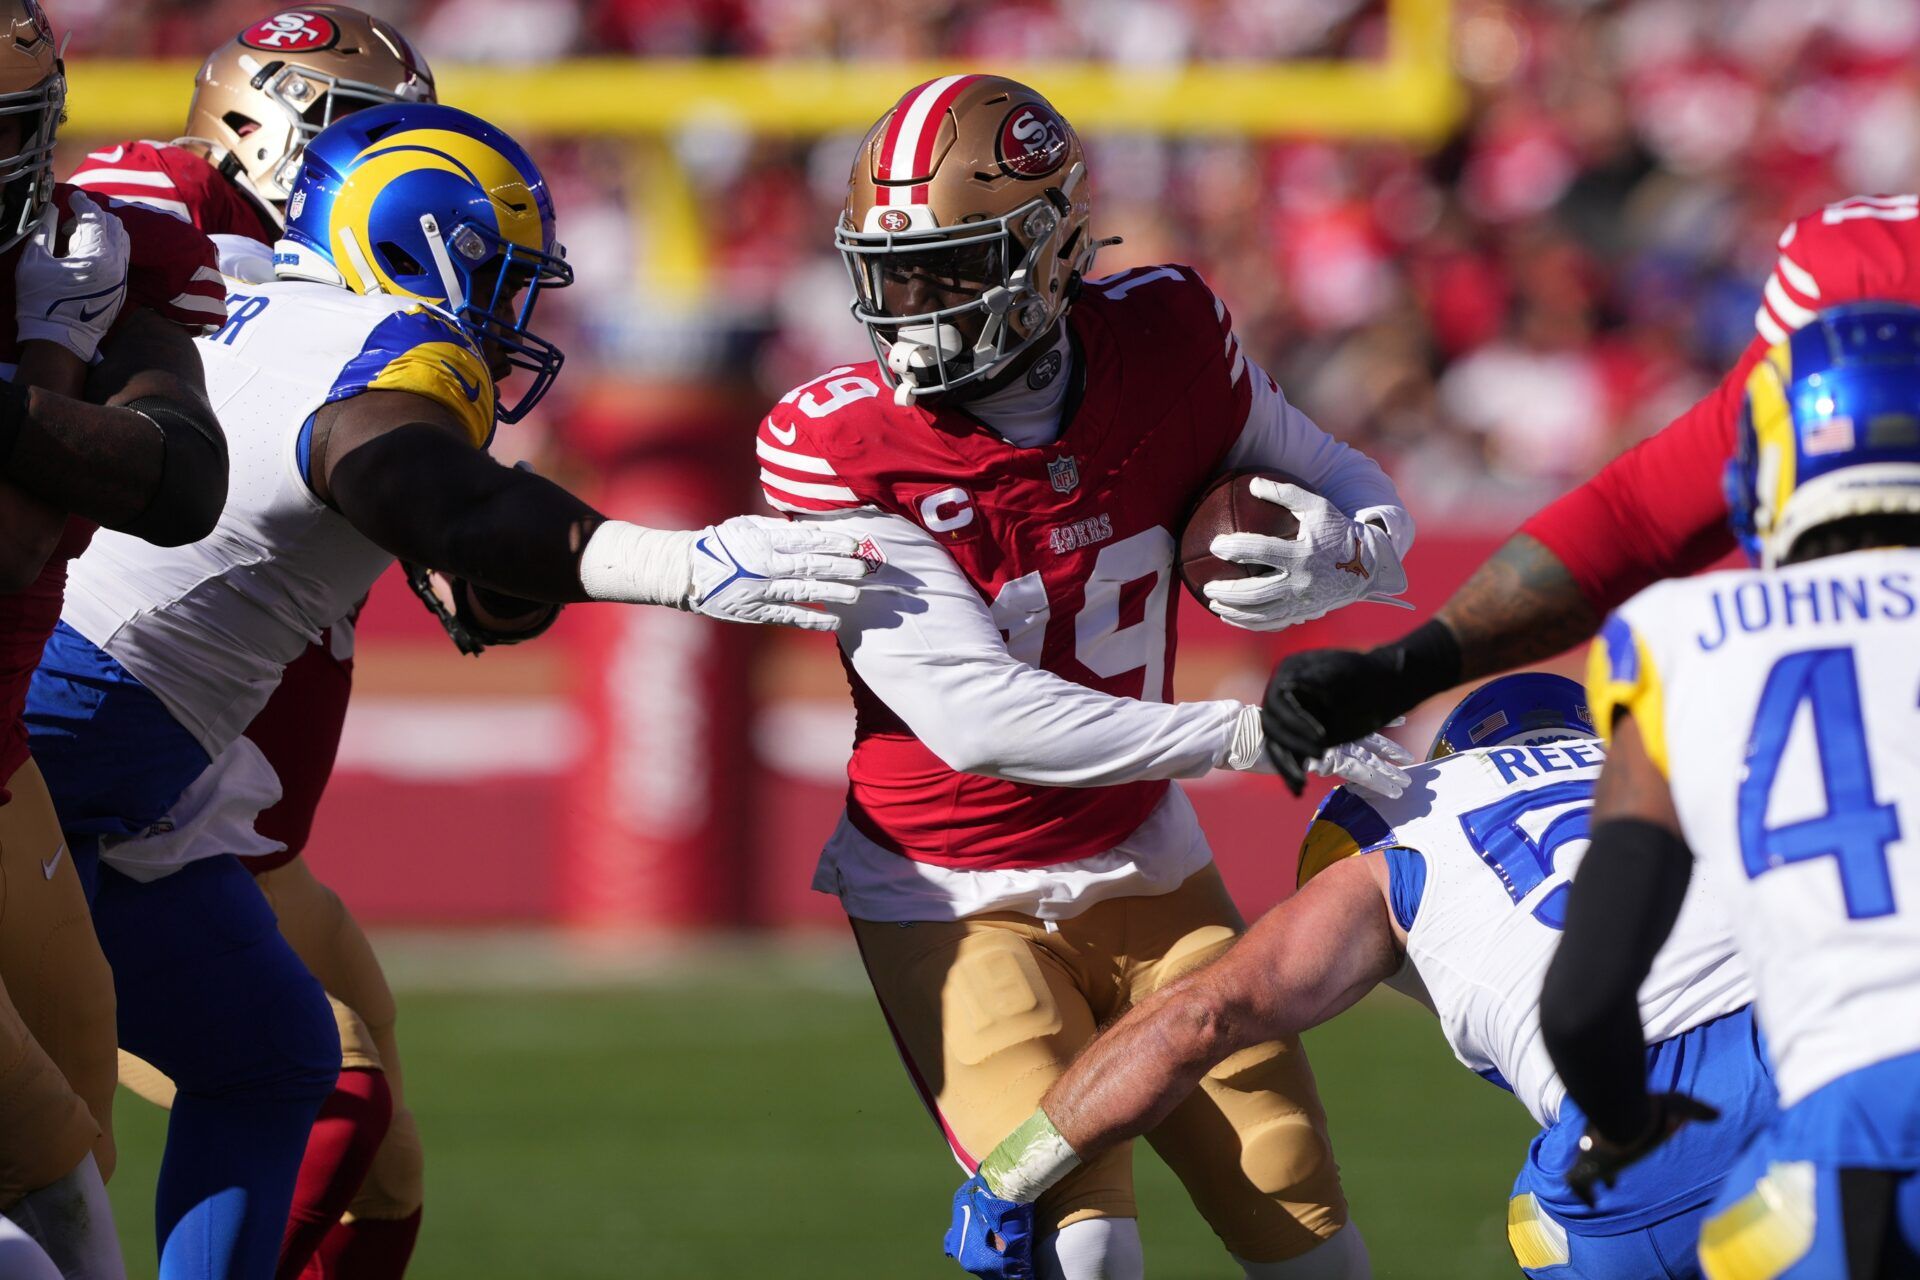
(56, 1003)
(329, 941)
(988, 1011)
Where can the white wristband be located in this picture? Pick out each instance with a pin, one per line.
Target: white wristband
(632, 564)
(1249, 739)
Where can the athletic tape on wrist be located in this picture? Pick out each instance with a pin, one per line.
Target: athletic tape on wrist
(635, 565)
(1031, 1159)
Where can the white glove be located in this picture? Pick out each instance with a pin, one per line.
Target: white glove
(1333, 561)
(756, 569)
(72, 300)
(747, 569)
(1375, 763)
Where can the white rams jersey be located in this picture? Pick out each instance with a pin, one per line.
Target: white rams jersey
(1496, 834)
(1781, 707)
(209, 627)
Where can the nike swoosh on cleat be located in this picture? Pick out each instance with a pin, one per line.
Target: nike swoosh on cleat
(51, 865)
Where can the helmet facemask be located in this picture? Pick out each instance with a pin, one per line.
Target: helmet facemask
(26, 176)
(482, 271)
(926, 352)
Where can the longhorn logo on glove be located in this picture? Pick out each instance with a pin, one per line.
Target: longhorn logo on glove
(1356, 566)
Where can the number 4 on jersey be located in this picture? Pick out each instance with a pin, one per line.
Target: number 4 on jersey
(1856, 828)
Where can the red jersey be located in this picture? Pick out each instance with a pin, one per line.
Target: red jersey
(298, 731)
(1658, 510)
(175, 180)
(1070, 544)
(172, 272)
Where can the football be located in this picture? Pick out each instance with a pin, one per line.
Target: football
(1228, 506)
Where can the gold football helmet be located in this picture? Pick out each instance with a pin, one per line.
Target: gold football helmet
(971, 187)
(263, 94)
(33, 87)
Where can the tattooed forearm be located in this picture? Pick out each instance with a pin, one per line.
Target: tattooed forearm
(1521, 606)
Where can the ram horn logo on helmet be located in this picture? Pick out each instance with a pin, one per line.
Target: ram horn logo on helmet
(295, 31)
(1033, 141)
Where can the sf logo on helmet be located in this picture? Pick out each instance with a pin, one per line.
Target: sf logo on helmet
(292, 32)
(1033, 141)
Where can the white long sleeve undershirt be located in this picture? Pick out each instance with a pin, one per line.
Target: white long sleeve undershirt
(924, 641)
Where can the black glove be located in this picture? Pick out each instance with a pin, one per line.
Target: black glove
(1322, 698)
(1602, 1161)
(469, 633)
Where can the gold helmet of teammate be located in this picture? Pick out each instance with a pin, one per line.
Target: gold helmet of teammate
(33, 91)
(263, 94)
(966, 230)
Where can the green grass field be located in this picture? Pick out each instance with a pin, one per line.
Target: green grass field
(744, 1115)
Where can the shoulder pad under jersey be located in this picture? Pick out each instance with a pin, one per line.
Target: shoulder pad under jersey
(806, 438)
(173, 270)
(1865, 247)
(420, 351)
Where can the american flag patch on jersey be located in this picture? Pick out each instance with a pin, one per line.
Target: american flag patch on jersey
(1835, 435)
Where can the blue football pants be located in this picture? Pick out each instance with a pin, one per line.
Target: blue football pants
(212, 995)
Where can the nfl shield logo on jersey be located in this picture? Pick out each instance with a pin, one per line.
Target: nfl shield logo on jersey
(1065, 474)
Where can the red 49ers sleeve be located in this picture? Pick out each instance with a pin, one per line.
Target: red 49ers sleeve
(175, 181)
(796, 474)
(1658, 510)
(174, 270)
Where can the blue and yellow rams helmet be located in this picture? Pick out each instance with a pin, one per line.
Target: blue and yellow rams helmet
(1531, 707)
(1829, 429)
(419, 200)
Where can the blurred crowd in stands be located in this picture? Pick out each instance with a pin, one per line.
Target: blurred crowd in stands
(1497, 316)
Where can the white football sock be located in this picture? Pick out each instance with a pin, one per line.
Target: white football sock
(1341, 1256)
(1092, 1249)
(73, 1221)
(21, 1258)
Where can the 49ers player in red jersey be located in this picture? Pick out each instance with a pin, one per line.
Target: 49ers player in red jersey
(1657, 511)
(103, 420)
(257, 100)
(1017, 865)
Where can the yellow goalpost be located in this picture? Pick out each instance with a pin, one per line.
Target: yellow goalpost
(1409, 94)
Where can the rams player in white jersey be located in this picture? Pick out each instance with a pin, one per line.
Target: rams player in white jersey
(359, 390)
(1764, 723)
(1455, 897)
